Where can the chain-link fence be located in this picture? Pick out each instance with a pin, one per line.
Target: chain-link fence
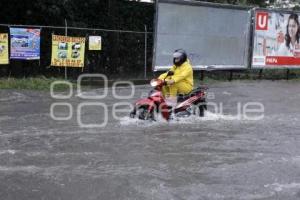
(126, 54)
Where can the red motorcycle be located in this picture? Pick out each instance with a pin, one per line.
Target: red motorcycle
(148, 108)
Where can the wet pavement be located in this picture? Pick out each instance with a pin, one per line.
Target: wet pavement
(223, 156)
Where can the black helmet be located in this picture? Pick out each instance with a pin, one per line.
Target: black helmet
(179, 57)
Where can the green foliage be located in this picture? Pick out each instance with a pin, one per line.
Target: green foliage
(296, 8)
(40, 83)
(122, 53)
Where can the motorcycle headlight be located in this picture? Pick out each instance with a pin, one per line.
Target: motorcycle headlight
(154, 83)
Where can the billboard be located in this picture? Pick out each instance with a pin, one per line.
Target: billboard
(67, 51)
(25, 43)
(213, 35)
(95, 43)
(276, 39)
(4, 48)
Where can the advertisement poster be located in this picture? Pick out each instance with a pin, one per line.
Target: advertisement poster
(95, 43)
(25, 43)
(67, 51)
(4, 48)
(276, 39)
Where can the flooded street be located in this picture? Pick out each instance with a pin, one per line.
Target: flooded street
(222, 156)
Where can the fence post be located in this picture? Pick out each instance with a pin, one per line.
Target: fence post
(201, 75)
(66, 34)
(260, 74)
(230, 75)
(145, 67)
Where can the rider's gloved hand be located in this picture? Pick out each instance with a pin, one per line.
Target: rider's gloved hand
(170, 73)
(170, 82)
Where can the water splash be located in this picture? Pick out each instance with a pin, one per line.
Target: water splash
(279, 187)
(193, 119)
(8, 151)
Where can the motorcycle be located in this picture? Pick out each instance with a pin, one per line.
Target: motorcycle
(150, 107)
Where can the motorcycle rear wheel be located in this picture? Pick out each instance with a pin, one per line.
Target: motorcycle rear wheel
(200, 110)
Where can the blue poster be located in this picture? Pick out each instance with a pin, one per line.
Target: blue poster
(25, 43)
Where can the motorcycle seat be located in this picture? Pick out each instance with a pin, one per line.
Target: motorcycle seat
(183, 97)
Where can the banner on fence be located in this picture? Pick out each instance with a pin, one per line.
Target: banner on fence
(276, 39)
(67, 51)
(95, 43)
(4, 48)
(25, 43)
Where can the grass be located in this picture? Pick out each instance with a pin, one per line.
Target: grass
(266, 74)
(38, 83)
(43, 83)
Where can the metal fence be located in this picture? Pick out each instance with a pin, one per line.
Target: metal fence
(124, 53)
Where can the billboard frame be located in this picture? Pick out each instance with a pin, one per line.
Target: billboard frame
(247, 53)
(283, 11)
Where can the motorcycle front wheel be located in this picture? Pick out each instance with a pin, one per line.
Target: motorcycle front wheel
(144, 114)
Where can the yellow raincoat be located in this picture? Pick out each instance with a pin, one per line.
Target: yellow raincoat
(183, 77)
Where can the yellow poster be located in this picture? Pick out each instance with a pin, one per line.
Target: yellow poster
(4, 48)
(95, 43)
(67, 51)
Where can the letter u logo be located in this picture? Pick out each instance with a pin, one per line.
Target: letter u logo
(261, 21)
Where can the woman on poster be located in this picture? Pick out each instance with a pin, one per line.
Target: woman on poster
(292, 35)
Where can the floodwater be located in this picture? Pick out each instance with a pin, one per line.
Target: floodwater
(223, 156)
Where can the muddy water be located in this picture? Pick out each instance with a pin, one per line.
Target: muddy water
(221, 156)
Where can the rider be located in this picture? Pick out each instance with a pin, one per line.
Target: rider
(181, 82)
